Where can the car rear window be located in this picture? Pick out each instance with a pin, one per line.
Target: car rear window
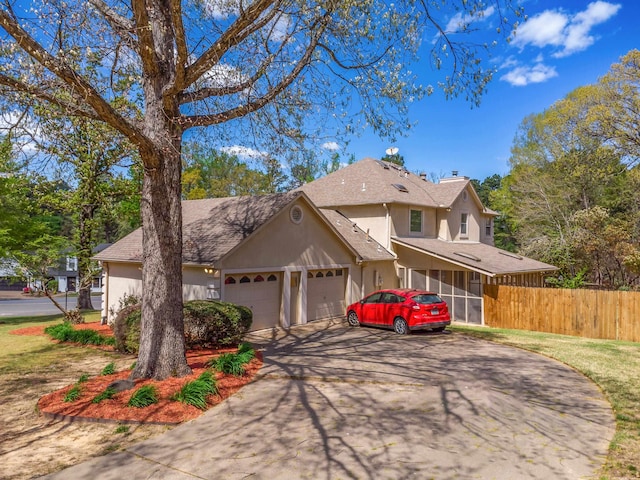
(426, 298)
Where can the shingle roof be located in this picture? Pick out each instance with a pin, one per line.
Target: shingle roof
(365, 246)
(369, 181)
(211, 227)
(476, 256)
(372, 181)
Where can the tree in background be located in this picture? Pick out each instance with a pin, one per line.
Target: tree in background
(185, 64)
(613, 114)
(208, 173)
(18, 225)
(571, 197)
(87, 153)
(488, 190)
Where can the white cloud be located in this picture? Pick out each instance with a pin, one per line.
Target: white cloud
(223, 75)
(244, 152)
(331, 146)
(221, 9)
(569, 33)
(522, 76)
(578, 38)
(460, 22)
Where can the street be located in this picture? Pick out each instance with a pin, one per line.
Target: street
(40, 305)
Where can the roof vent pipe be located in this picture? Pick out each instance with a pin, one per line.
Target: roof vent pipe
(454, 173)
(423, 176)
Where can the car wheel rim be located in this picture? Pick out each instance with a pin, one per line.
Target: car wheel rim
(401, 327)
(353, 319)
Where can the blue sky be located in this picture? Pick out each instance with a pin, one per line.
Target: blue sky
(563, 45)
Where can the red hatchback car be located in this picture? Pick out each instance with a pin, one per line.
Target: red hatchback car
(401, 309)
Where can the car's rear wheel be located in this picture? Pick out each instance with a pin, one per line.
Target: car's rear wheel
(439, 329)
(352, 318)
(400, 326)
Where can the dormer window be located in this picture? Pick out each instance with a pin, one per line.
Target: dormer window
(464, 224)
(415, 221)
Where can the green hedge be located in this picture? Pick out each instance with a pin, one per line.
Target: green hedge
(207, 323)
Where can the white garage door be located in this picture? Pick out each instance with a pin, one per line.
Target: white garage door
(258, 291)
(325, 294)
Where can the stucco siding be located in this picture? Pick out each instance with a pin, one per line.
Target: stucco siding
(472, 210)
(194, 283)
(371, 218)
(122, 279)
(285, 243)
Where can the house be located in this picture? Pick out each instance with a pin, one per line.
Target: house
(440, 233)
(10, 276)
(304, 255)
(278, 254)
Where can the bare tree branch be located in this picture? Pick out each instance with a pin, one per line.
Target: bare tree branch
(79, 85)
(248, 22)
(41, 94)
(206, 120)
(181, 46)
(122, 25)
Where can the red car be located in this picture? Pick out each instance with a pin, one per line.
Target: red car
(401, 309)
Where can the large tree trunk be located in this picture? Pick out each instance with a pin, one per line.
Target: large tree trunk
(84, 256)
(162, 346)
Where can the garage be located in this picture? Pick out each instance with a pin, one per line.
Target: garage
(258, 291)
(325, 293)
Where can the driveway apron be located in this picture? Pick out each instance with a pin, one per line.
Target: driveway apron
(333, 402)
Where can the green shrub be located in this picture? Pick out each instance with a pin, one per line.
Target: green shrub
(108, 393)
(229, 363)
(126, 329)
(109, 369)
(246, 352)
(83, 378)
(196, 392)
(233, 363)
(143, 397)
(65, 332)
(207, 323)
(73, 394)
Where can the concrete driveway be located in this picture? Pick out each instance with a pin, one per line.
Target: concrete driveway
(334, 402)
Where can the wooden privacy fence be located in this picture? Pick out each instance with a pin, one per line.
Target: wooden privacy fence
(602, 314)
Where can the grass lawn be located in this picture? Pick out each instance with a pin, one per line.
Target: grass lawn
(23, 354)
(613, 365)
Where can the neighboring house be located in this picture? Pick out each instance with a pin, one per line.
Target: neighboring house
(10, 276)
(65, 273)
(441, 233)
(301, 256)
(277, 254)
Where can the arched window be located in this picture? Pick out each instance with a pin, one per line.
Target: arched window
(319, 275)
(245, 279)
(329, 273)
(258, 278)
(309, 275)
(272, 278)
(229, 280)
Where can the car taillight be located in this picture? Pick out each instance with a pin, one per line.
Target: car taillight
(415, 306)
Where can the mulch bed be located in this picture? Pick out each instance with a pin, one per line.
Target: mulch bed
(115, 409)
